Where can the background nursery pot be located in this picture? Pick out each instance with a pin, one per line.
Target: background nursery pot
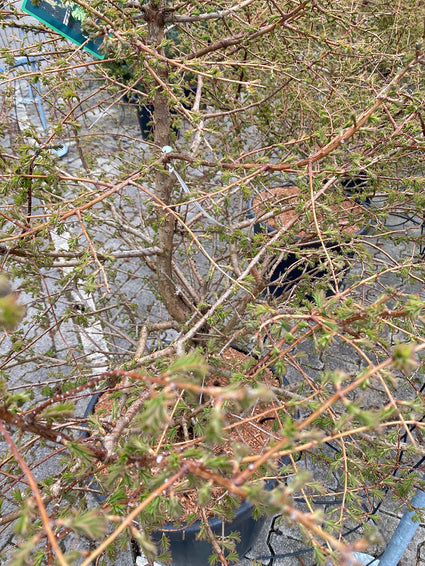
(289, 267)
(184, 546)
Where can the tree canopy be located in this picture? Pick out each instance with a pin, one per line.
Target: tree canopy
(131, 241)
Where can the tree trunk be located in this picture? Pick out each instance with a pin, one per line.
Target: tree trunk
(154, 15)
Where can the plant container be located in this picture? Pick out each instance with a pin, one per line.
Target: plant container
(145, 119)
(289, 268)
(184, 546)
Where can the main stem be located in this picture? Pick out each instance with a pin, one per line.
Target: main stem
(154, 15)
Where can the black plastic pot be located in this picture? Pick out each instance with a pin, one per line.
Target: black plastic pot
(358, 187)
(144, 113)
(288, 271)
(186, 550)
(145, 119)
(184, 547)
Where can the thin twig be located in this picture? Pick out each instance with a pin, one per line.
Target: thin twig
(212, 539)
(37, 495)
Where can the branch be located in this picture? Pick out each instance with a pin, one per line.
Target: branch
(363, 117)
(132, 516)
(212, 538)
(243, 477)
(249, 106)
(323, 152)
(240, 37)
(110, 440)
(37, 495)
(220, 44)
(69, 213)
(178, 65)
(220, 14)
(27, 424)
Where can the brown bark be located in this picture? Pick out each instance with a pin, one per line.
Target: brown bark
(154, 15)
(31, 425)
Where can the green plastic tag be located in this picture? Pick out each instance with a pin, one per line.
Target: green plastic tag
(65, 18)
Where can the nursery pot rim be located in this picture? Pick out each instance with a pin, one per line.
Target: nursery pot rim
(268, 228)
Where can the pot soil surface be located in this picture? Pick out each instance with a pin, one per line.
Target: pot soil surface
(252, 429)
